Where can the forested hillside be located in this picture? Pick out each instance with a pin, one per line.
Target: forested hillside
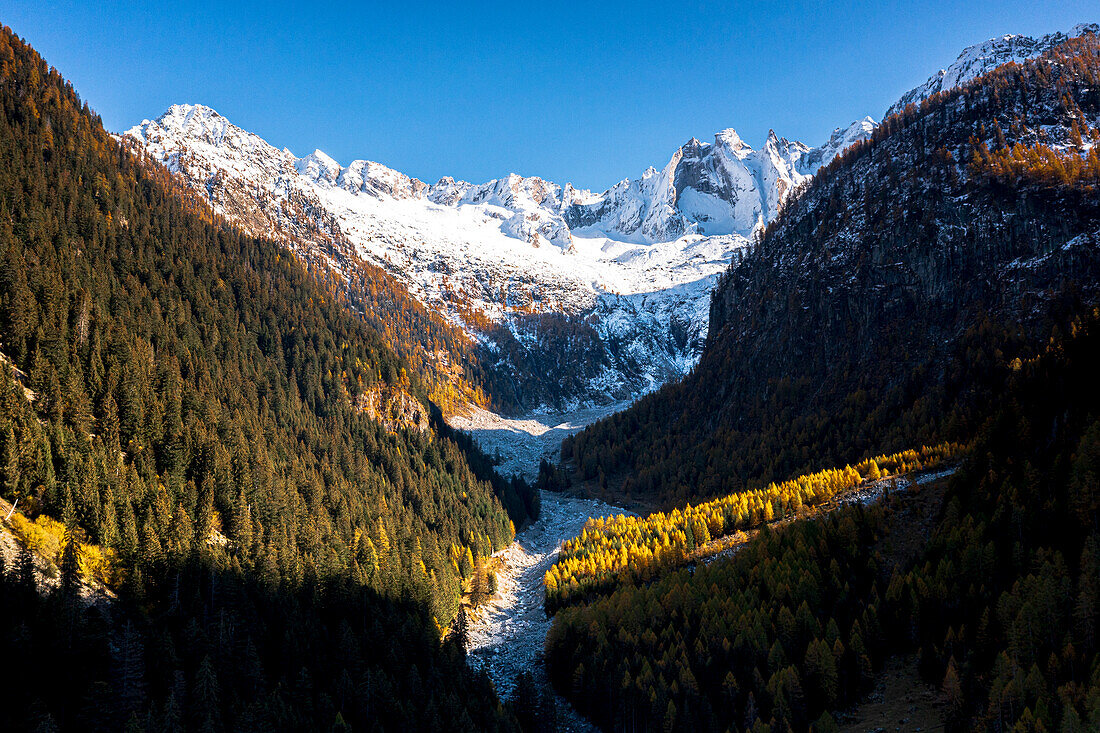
(624, 548)
(885, 304)
(286, 553)
(1002, 605)
(937, 282)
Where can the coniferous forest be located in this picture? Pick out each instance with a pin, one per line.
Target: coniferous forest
(1000, 607)
(185, 400)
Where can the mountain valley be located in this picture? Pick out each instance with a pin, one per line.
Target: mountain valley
(744, 443)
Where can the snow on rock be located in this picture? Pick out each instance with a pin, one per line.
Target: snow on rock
(637, 262)
(984, 57)
(841, 139)
(720, 188)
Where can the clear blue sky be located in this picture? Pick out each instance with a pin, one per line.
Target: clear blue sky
(583, 92)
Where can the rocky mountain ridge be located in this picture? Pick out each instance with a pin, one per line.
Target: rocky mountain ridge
(610, 289)
(984, 57)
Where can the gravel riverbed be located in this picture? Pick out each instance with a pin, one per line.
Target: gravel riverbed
(507, 635)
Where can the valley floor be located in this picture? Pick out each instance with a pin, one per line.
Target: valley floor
(522, 442)
(508, 633)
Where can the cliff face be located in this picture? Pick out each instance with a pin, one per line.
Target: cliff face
(895, 251)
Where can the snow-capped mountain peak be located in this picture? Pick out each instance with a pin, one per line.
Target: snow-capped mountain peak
(319, 167)
(731, 141)
(984, 57)
(635, 262)
(196, 120)
(724, 187)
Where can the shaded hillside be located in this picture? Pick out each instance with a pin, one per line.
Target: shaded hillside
(200, 407)
(880, 308)
(442, 355)
(1001, 601)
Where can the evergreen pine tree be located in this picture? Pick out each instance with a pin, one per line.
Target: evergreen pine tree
(205, 711)
(461, 630)
(25, 574)
(525, 702)
(70, 564)
(129, 670)
(9, 466)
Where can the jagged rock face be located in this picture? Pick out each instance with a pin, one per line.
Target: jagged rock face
(378, 180)
(984, 57)
(712, 189)
(715, 187)
(536, 205)
(724, 187)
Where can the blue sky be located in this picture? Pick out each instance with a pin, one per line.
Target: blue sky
(586, 92)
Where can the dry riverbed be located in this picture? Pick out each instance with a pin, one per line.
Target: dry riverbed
(521, 442)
